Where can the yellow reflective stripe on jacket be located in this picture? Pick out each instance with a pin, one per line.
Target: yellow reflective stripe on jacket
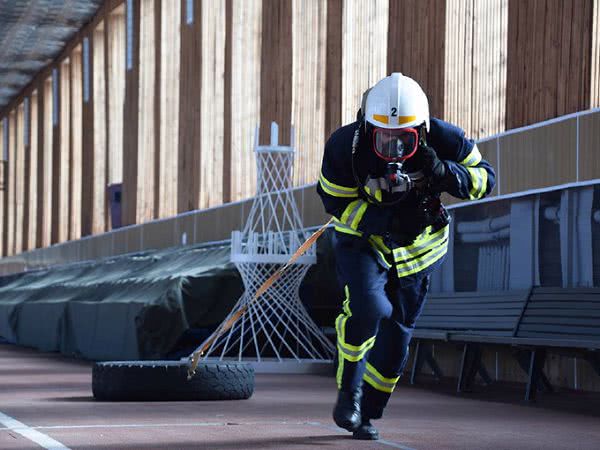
(479, 178)
(421, 263)
(378, 381)
(354, 213)
(339, 226)
(423, 243)
(335, 189)
(472, 158)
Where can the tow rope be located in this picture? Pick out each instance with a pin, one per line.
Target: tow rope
(260, 291)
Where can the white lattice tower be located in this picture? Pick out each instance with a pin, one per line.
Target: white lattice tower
(275, 326)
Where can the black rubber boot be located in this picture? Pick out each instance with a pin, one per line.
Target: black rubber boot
(346, 413)
(366, 431)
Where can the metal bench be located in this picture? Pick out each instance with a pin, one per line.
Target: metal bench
(470, 318)
(531, 321)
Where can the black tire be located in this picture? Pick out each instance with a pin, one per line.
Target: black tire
(167, 380)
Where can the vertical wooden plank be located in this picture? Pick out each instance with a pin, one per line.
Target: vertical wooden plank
(11, 202)
(75, 178)
(56, 161)
(87, 164)
(3, 151)
(116, 86)
(364, 51)
(19, 178)
(63, 166)
(98, 172)
(227, 104)
(146, 129)
(595, 63)
(131, 114)
(32, 181)
(246, 63)
(189, 112)
(158, 12)
(333, 63)
(169, 108)
(309, 34)
(276, 73)
(48, 170)
(212, 103)
(27, 173)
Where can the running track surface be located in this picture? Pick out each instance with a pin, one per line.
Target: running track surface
(46, 402)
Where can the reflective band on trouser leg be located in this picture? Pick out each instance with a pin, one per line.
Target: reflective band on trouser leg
(351, 353)
(337, 190)
(472, 159)
(378, 381)
(479, 178)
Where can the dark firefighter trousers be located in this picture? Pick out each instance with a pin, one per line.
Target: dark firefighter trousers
(377, 321)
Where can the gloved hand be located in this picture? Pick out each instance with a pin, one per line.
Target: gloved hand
(441, 179)
(432, 166)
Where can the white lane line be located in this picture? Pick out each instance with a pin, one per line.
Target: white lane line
(380, 441)
(198, 424)
(41, 439)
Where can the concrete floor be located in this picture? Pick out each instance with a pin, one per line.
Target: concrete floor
(50, 397)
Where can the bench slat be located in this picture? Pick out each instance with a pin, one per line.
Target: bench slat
(576, 321)
(559, 330)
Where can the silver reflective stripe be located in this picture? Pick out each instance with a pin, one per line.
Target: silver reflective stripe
(382, 383)
(353, 214)
(327, 187)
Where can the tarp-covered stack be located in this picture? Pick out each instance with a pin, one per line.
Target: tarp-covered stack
(126, 307)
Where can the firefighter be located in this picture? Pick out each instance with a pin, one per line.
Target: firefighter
(381, 180)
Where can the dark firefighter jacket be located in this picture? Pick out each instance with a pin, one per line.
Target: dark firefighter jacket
(358, 217)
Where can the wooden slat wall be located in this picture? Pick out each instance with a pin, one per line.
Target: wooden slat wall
(169, 108)
(116, 86)
(76, 156)
(276, 71)
(416, 44)
(246, 25)
(19, 178)
(189, 113)
(212, 104)
(32, 180)
(544, 34)
(239, 63)
(146, 114)
(309, 33)
(475, 61)
(364, 51)
(98, 172)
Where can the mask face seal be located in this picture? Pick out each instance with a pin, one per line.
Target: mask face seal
(395, 145)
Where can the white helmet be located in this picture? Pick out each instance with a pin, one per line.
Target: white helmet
(394, 111)
(395, 102)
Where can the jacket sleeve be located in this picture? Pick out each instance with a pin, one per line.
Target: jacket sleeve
(340, 195)
(475, 176)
